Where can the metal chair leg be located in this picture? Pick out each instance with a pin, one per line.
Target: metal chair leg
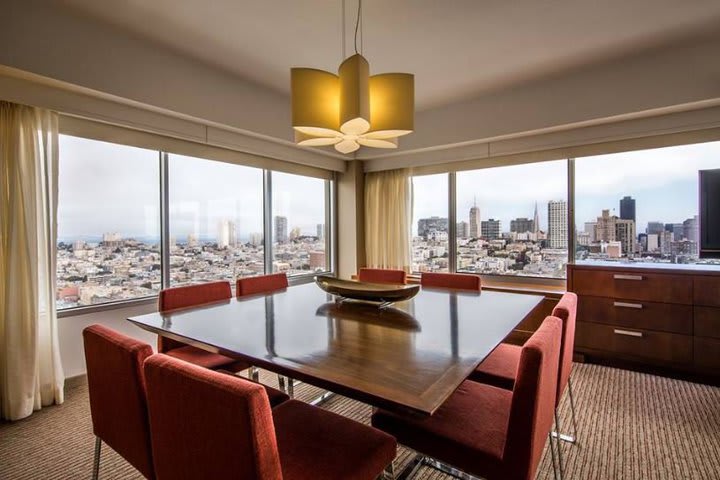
(290, 388)
(556, 471)
(96, 460)
(557, 444)
(254, 374)
(572, 411)
(388, 473)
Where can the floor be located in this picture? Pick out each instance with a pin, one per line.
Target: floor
(631, 426)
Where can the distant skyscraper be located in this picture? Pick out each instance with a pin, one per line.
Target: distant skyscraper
(654, 228)
(475, 221)
(522, 225)
(557, 224)
(321, 231)
(463, 229)
(490, 229)
(627, 208)
(691, 229)
(281, 231)
(226, 236)
(591, 230)
(192, 240)
(536, 220)
(610, 228)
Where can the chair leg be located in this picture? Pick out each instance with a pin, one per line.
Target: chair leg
(388, 473)
(556, 471)
(254, 374)
(290, 388)
(572, 411)
(96, 460)
(557, 444)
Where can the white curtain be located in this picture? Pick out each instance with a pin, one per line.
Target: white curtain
(30, 370)
(388, 217)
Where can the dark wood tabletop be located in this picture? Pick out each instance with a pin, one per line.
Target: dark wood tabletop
(408, 357)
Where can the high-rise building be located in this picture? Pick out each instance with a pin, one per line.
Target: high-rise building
(111, 239)
(611, 228)
(557, 224)
(627, 208)
(475, 221)
(536, 221)
(654, 228)
(691, 229)
(676, 229)
(226, 236)
(591, 229)
(281, 231)
(317, 261)
(321, 231)
(490, 229)
(192, 240)
(463, 229)
(256, 239)
(522, 225)
(295, 233)
(426, 226)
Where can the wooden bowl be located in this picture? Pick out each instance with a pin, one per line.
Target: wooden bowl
(371, 292)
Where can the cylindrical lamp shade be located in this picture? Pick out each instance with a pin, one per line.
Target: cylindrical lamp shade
(315, 101)
(392, 105)
(354, 95)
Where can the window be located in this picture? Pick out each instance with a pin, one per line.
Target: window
(216, 220)
(299, 224)
(108, 223)
(513, 220)
(641, 205)
(430, 224)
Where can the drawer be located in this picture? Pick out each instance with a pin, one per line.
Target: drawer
(634, 285)
(707, 354)
(665, 317)
(707, 322)
(707, 290)
(658, 347)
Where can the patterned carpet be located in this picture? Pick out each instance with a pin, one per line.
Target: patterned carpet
(631, 426)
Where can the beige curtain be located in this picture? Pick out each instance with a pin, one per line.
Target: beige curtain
(388, 215)
(30, 371)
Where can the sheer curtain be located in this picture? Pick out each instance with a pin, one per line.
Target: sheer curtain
(388, 215)
(30, 370)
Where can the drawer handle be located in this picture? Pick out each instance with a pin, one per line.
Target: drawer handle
(618, 276)
(628, 333)
(627, 305)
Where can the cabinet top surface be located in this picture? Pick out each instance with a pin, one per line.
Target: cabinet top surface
(701, 269)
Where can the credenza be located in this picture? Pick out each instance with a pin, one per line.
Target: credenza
(666, 317)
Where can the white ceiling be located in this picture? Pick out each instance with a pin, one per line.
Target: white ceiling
(457, 49)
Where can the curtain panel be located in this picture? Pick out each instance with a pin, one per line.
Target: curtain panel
(30, 370)
(388, 218)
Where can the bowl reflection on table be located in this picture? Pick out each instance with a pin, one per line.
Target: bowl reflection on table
(369, 313)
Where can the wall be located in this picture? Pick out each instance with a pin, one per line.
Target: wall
(351, 219)
(70, 333)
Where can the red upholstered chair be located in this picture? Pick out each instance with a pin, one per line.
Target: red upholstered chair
(191, 296)
(380, 275)
(118, 407)
(500, 367)
(260, 284)
(455, 281)
(488, 431)
(229, 431)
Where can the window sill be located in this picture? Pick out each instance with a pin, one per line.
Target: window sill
(514, 284)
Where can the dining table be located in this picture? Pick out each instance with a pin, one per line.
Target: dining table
(407, 357)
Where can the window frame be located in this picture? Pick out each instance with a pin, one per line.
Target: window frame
(330, 195)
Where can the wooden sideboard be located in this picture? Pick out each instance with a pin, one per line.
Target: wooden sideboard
(666, 317)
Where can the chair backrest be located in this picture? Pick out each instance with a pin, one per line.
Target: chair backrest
(189, 296)
(261, 284)
(566, 310)
(118, 403)
(456, 281)
(206, 424)
(533, 403)
(381, 275)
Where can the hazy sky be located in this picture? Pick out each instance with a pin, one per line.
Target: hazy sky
(114, 188)
(662, 181)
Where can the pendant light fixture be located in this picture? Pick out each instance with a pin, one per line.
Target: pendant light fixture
(351, 108)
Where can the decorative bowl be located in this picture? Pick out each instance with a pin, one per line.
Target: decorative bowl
(371, 292)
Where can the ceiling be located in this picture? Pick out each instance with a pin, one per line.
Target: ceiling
(457, 49)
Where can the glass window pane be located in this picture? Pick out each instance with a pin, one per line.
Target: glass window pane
(641, 205)
(216, 220)
(430, 223)
(108, 223)
(513, 220)
(298, 224)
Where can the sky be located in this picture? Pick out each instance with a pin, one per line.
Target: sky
(105, 187)
(663, 182)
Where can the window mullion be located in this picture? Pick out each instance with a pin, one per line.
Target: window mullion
(267, 220)
(164, 220)
(452, 223)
